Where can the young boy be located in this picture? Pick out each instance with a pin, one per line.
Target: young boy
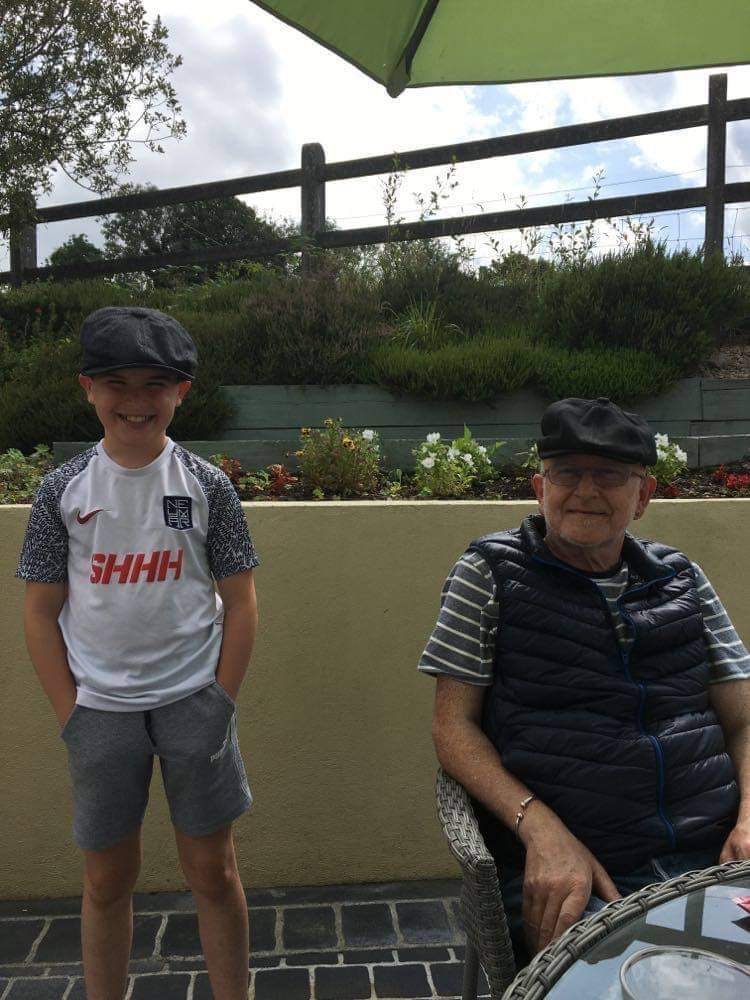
(135, 650)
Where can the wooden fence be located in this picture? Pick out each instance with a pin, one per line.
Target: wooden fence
(314, 172)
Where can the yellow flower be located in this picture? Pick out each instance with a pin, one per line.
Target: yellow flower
(298, 453)
(304, 431)
(347, 442)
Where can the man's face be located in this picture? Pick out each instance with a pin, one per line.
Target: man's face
(592, 512)
(134, 392)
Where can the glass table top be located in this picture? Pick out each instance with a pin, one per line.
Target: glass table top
(704, 918)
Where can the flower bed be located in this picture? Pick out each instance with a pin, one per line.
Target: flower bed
(336, 463)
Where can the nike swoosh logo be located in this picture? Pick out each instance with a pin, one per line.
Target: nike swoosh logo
(87, 517)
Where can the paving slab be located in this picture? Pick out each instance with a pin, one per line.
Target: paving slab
(308, 943)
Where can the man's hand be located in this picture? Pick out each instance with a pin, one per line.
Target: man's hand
(559, 877)
(731, 702)
(737, 845)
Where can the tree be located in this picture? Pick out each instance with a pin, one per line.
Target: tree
(77, 249)
(191, 226)
(80, 82)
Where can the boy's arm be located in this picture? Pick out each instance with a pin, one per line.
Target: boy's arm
(237, 593)
(46, 646)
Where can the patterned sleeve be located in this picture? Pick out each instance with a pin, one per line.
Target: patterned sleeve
(228, 544)
(727, 656)
(462, 644)
(44, 554)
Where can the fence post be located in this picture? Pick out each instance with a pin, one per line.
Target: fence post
(23, 253)
(716, 162)
(313, 192)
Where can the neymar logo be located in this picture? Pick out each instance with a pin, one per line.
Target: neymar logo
(178, 512)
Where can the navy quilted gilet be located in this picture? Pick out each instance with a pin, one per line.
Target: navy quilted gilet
(623, 746)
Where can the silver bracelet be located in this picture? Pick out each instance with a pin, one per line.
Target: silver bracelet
(522, 812)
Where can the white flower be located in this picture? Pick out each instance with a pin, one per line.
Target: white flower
(660, 453)
(368, 435)
(662, 440)
(428, 462)
(481, 449)
(433, 438)
(453, 452)
(682, 455)
(467, 458)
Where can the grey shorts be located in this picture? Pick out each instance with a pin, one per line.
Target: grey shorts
(111, 757)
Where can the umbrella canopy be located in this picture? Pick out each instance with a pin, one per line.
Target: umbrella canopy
(419, 43)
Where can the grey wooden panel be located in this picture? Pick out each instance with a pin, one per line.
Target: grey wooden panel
(727, 404)
(252, 454)
(63, 450)
(497, 432)
(728, 448)
(681, 402)
(274, 407)
(725, 383)
(715, 428)
(673, 428)
(266, 406)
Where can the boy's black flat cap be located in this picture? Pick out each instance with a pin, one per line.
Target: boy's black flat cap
(136, 337)
(596, 427)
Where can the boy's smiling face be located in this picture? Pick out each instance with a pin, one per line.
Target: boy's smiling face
(139, 393)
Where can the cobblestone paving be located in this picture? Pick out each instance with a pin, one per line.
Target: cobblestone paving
(398, 940)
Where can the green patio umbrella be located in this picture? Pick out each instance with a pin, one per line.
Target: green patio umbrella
(419, 43)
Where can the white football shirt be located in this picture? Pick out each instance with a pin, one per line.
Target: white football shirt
(139, 549)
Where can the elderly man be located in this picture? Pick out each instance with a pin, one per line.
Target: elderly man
(592, 694)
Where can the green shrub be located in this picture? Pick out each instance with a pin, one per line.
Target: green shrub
(423, 325)
(451, 470)
(476, 369)
(267, 330)
(621, 374)
(335, 461)
(42, 402)
(673, 306)
(414, 272)
(21, 474)
(671, 460)
(56, 307)
(306, 332)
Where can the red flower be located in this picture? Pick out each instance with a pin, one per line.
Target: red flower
(671, 491)
(719, 475)
(280, 478)
(37, 309)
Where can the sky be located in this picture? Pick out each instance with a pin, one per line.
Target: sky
(253, 90)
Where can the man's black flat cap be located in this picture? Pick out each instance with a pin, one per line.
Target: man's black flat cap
(135, 337)
(596, 427)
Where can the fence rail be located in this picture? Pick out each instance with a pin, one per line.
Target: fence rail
(314, 173)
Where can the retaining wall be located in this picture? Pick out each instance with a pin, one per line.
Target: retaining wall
(333, 718)
(709, 418)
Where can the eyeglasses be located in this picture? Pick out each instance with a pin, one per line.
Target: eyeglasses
(606, 477)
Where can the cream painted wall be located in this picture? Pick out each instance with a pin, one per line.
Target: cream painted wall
(333, 717)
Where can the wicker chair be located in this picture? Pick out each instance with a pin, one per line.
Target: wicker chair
(487, 939)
